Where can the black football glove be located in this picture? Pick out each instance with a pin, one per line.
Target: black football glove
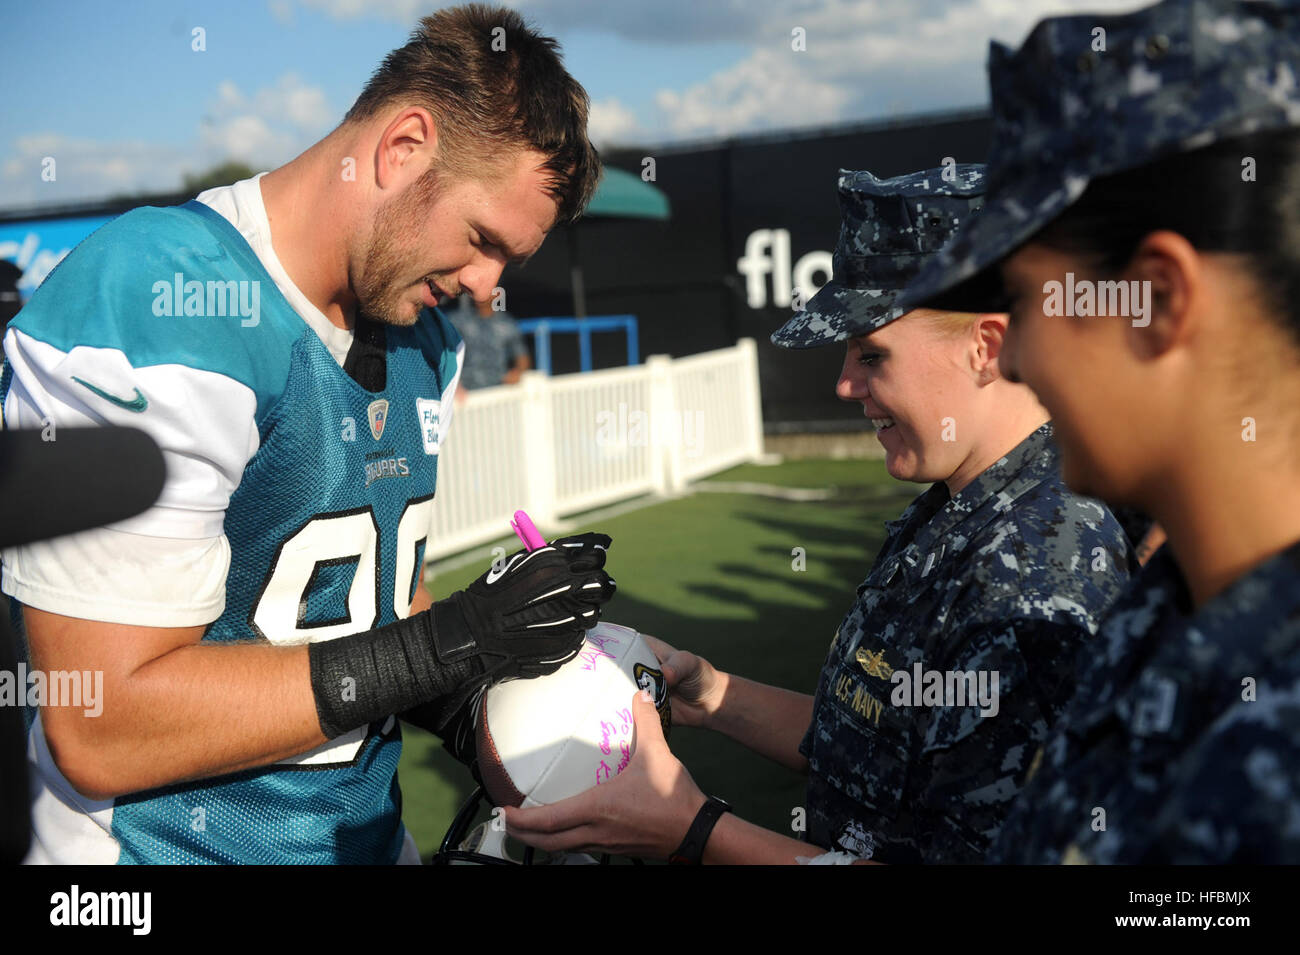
(520, 626)
(527, 615)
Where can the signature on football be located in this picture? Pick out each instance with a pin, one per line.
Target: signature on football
(618, 731)
(589, 657)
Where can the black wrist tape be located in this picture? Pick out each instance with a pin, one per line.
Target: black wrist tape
(369, 676)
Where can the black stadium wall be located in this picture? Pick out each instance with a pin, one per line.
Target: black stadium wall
(752, 219)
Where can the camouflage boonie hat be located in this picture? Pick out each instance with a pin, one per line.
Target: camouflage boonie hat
(1173, 77)
(889, 228)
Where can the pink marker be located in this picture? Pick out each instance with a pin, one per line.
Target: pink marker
(527, 532)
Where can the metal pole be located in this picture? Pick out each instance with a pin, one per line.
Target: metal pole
(575, 275)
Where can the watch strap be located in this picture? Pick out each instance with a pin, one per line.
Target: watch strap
(691, 851)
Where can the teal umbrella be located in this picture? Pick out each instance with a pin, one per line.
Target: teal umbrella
(620, 195)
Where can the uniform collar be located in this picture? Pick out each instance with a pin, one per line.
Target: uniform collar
(1166, 666)
(947, 524)
(1251, 622)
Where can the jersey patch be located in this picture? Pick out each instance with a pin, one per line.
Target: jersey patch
(377, 415)
(429, 411)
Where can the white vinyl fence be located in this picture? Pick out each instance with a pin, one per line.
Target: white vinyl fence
(558, 446)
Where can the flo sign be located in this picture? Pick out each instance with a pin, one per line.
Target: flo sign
(767, 254)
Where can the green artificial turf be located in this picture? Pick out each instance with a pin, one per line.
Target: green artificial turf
(713, 573)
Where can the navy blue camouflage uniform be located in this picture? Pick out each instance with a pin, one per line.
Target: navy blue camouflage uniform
(1183, 742)
(1012, 576)
(889, 228)
(1173, 77)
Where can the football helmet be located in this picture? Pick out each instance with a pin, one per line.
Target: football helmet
(541, 740)
(488, 844)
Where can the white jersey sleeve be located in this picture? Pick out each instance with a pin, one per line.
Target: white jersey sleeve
(448, 397)
(167, 566)
(446, 405)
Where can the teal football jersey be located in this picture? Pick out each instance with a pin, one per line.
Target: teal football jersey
(327, 526)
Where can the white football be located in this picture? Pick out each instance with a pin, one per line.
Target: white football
(552, 737)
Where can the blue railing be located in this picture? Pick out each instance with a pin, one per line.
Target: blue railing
(542, 328)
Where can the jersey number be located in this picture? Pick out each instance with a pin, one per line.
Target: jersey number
(330, 540)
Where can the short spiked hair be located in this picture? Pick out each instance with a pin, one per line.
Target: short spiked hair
(493, 85)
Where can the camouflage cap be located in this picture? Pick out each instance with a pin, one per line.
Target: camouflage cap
(1089, 95)
(889, 228)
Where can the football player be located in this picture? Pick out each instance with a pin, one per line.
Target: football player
(259, 627)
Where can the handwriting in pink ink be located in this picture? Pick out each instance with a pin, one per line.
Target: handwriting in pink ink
(611, 731)
(589, 658)
(625, 748)
(598, 642)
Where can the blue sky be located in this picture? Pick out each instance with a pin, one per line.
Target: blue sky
(116, 94)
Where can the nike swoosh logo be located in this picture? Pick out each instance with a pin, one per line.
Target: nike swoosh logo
(496, 574)
(138, 403)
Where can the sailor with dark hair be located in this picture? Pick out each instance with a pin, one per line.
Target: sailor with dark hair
(1159, 178)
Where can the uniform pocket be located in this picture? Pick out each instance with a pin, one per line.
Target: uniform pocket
(860, 743)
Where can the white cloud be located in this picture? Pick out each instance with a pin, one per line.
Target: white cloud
(860, 60)
(228, 96)
(611, 123)
(263, 129)
(398, 11)
(266, 128)
(86, 169)
(863, 58)
(769, 89)
(289, 102)
(245, 138)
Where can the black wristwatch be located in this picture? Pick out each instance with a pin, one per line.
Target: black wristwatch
(692, 848)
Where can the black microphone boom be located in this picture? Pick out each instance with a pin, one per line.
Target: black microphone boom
(79, 479)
